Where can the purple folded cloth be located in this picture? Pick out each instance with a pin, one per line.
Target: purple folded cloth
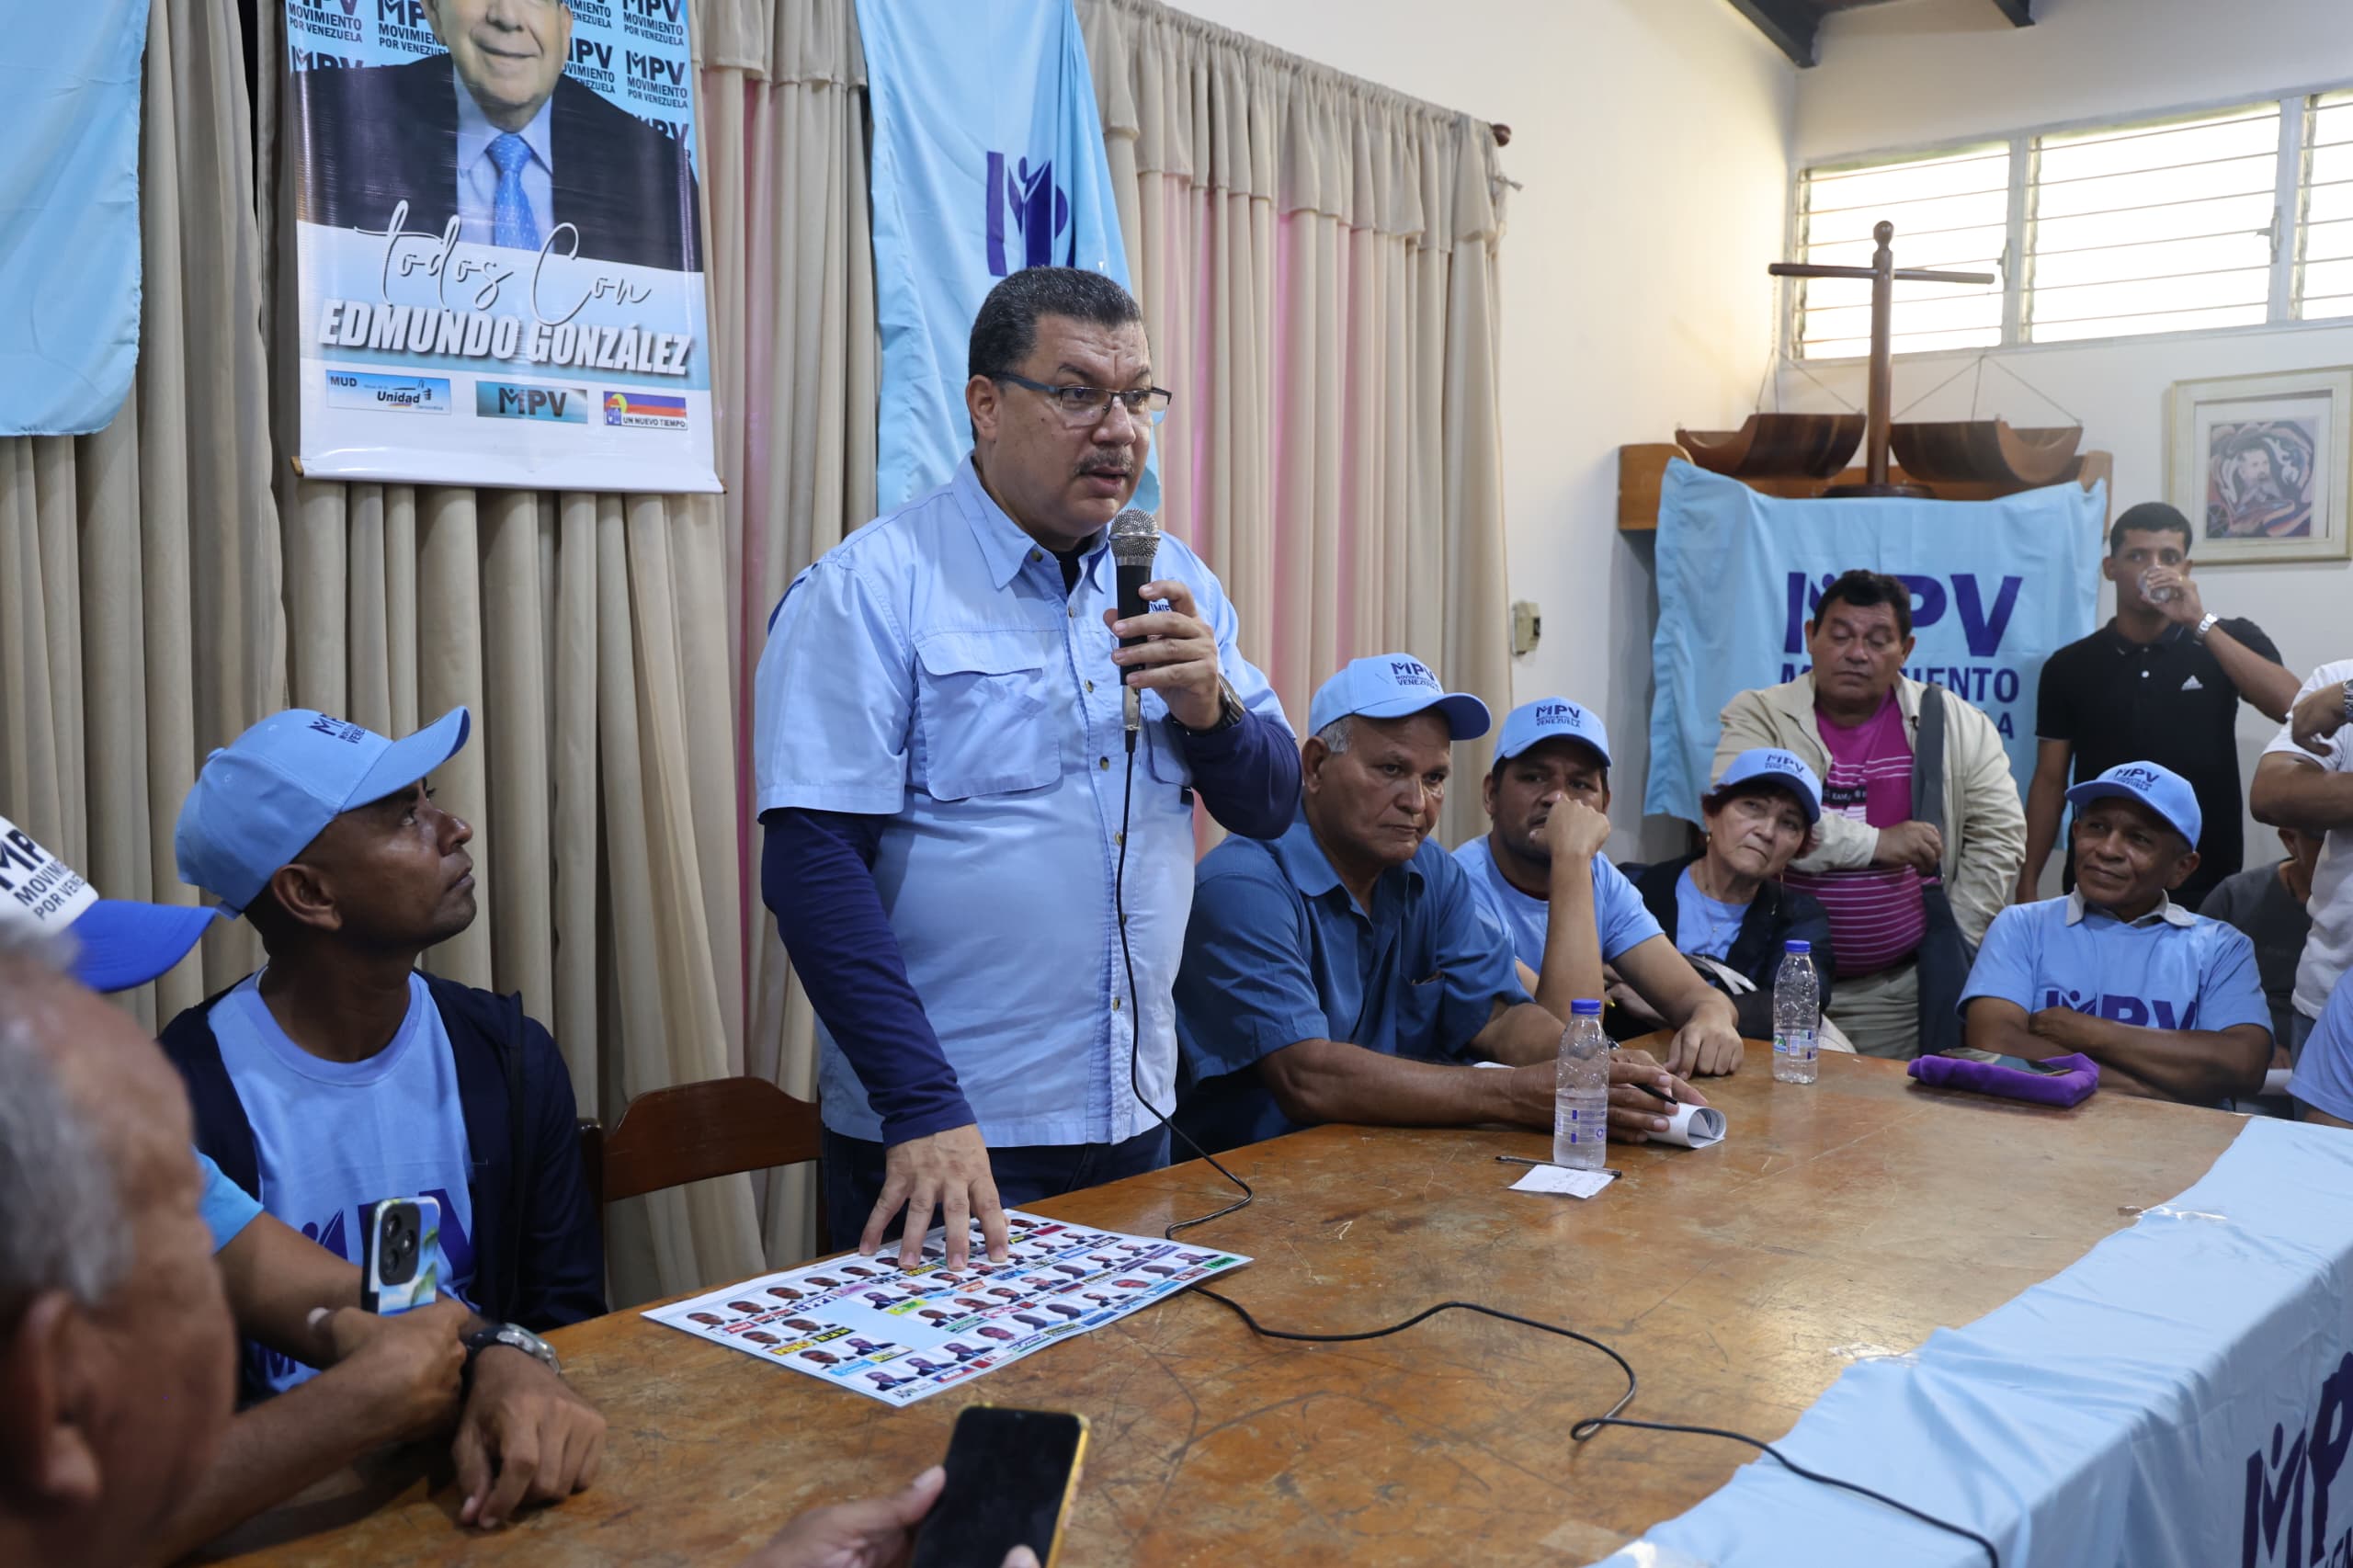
(2061, 1089)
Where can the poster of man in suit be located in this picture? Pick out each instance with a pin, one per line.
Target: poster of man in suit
(499, 229)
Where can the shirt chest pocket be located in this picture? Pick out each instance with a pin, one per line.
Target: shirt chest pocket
(1421, 1005)
(984, 702)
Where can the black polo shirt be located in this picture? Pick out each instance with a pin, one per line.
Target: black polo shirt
(2168, 701)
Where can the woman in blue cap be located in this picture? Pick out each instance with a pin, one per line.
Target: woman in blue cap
(1726, 902)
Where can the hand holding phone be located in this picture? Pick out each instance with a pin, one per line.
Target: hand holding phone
(876, 1533)
(1011, 1476)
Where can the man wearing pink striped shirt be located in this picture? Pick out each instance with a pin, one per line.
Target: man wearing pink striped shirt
(1854, 719)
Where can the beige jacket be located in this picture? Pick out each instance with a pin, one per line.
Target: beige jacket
(1984, 828)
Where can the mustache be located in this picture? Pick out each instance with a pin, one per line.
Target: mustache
(1117, 469)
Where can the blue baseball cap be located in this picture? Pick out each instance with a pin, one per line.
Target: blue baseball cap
(261, 799)
(2161, 790)
(1785, 768)
(116, 944)
(1391, 685)
(1550, 718)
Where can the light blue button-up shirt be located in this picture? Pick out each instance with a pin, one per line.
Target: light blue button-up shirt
(478, 176)
(930, 669)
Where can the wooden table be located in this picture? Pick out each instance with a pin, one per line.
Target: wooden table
(1740, 1280)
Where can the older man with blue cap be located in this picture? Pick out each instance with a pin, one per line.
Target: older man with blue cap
(1344, 971)
(2169, 1003)
(338, 1075)
(1541, 874)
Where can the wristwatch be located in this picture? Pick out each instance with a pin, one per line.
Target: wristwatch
(1229, 711)
(515, 1337)
(2349, 701)
(2205, 625)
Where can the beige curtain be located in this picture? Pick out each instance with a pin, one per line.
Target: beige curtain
(786, 79)
(1317, 260)
(163, 585)
(140, 614)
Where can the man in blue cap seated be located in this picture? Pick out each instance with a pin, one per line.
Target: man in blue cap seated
(390, 1379)
(1541, 876)
(2169, 1003)
(337, 1075)
(1344, 971)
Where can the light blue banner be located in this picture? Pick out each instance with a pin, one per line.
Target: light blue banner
(2180, 1398)
(69, 215)
(1997, 586)
(988, 158)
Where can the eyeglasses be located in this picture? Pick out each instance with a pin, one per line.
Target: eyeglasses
(1084, 407)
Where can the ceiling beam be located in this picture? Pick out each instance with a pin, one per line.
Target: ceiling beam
(1790, 24)
(2019, 12)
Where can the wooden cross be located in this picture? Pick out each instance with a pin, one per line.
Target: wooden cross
(1884, 278)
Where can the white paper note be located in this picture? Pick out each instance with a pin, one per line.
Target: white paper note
(1560, 1179)
(1693, 1125)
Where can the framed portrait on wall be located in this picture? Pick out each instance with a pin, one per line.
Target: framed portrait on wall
(2261, 465)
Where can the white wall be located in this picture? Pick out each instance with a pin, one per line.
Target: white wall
(1650, 139)
(1923, 71)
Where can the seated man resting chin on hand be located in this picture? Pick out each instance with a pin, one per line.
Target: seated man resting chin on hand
(1344, 971)
(1564, 908)
(2169, 1003)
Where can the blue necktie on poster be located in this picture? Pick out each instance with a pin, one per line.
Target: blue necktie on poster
(988, 158)
(69, 268)
(1997, 586)
(510, 212)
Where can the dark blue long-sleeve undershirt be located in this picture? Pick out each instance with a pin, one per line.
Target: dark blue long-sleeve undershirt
(816, 876)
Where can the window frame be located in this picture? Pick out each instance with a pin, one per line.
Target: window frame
(2294, 107)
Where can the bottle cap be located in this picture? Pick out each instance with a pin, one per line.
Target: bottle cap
(1582, 1008)
(1794, 947)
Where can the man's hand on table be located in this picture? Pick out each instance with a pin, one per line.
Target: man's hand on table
(524, 1437)
(947, 1171)
(878, 1533)
(1710, 1044)
(1634, 1114)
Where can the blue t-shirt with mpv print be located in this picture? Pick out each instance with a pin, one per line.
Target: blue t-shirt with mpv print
(331, 1138)
(2170, 970)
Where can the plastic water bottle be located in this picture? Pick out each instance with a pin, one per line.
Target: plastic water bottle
(1797, 1015)
(1581, 1091)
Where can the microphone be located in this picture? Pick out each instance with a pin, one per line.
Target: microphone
(1135, 539)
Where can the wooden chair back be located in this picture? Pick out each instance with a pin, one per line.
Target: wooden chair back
(693, 1131)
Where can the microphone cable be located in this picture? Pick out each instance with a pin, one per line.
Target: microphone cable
(1584, 1430)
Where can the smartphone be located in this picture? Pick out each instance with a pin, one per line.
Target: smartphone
(400, 1247)
(1011, 1476)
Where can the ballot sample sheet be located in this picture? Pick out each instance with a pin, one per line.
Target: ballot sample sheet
(901, 1335)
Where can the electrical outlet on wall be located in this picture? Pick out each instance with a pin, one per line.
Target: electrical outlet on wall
(1527, 626)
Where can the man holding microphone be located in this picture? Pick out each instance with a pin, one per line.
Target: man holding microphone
(944, 777)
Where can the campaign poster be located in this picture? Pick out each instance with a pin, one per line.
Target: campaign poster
(499, 237)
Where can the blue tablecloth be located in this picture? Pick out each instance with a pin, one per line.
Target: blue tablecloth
(2183, 1395)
